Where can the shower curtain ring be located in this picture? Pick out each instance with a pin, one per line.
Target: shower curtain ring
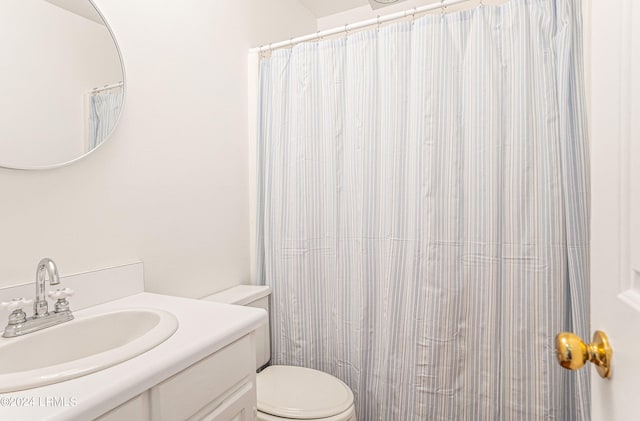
(378, 23)
(442, 7)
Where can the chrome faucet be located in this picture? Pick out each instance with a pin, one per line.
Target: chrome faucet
(19, 324)
(45, 267)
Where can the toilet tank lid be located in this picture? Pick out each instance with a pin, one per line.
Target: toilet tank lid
(240, 294)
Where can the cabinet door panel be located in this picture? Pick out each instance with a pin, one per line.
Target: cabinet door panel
(191, 390)
(238, 407)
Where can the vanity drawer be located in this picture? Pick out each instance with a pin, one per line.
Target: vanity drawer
(134, 409)
(206, 381)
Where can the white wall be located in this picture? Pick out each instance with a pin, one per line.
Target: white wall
(51, 60)
(171, 186)
(365, 12)
(278, 20)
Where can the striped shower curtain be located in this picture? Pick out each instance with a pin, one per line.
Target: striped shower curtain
(104, 111)
(423, 211)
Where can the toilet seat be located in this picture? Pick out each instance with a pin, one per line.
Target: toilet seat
(301, 393)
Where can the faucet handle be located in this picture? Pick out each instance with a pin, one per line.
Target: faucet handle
(16, 304)
(61, 294)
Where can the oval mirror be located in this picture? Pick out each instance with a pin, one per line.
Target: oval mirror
(62, 88)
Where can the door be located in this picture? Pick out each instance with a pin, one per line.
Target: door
(612, 29)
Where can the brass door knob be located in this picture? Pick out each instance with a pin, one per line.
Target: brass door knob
(573, 353)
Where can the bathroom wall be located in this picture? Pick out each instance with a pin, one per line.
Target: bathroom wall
(171, 187)
(363, 13)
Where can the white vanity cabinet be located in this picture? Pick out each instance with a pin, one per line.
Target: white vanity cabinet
(204, 371)
(220, 387)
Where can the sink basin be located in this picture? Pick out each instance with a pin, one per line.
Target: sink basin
(82, 346)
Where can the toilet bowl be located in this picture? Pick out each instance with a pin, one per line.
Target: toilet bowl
(289, 392)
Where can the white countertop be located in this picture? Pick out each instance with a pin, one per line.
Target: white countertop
(204, 327)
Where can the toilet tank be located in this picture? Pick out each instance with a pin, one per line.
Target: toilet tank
(253, 296)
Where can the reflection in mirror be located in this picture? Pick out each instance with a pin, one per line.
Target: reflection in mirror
(62, 89)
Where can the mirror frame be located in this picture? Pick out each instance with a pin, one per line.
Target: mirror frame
(124, 100)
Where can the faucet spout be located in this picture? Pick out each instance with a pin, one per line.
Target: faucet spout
(46, 268)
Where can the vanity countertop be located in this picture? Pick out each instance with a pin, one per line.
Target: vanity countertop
(204, 327)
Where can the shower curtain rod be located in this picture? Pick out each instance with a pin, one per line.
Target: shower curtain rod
(359, 25)
(107, 87)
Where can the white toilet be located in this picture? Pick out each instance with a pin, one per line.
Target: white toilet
(288, 392)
